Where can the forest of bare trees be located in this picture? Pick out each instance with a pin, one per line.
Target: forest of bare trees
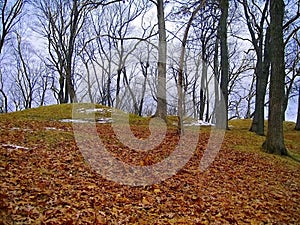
(156, 58)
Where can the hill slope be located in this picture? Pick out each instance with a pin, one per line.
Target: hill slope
(44, 178)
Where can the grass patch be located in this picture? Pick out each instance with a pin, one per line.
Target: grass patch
(51, 112)
(241, 139)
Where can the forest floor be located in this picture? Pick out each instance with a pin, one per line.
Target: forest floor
(44, 178)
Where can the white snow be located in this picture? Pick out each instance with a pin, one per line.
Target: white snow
(53, 128)
(11, 146)
(98, 120)
(104, 120)
(18, 128)
(198, 123)
(74, 121)
(99, 110)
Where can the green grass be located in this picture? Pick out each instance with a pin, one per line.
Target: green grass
(247, 141)
(51, 112)
(240, 136)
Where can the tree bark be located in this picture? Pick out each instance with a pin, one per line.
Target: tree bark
(4, 108)
(274, 142)
(9, 15)
(144, 67)
(181, 65)
(161, 110)
(297, 127)
(216, 82)
(262, 73)
(203, 87)
(224, 5)
(256, 30)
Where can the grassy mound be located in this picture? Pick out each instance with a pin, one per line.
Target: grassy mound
(44, 178)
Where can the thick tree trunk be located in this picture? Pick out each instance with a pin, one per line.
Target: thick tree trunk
(70, 88)
(256, 29)
(297, 127)
(224, 4)
(216, 81)
(274, 142)
(61, 98)
(161, 110)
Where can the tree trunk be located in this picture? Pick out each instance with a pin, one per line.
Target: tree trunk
(249, 98)
(224, 4)
(203, 87)
(262, 75)
(274, 142)
(297, 127)
(135, 104)
(144, 67)
(181, 65)
(256, 29)
(4, 110)
(119, 71)
(216, 82)
(70, 87)
(161, 110)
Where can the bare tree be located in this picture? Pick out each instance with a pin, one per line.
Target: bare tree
(9, 16)
(297, 127)
(292, 48)
(181, 66)
(256, 15)
(30, 81)
(61, 23)
(274, 142)
(161, 110)
(4, 98)
(224, 5)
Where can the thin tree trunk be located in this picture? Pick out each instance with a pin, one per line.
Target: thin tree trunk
(145, 74)
(135, 104)
(181, 65)
(297, 127)
(5, 101)
(262, 73)
(118, 88)
(203, 88)
(249, 98)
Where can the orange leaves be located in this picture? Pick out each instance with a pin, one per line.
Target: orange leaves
(52, 184)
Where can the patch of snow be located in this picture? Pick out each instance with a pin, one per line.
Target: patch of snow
(104, 120)
(99, 110)
(53, 128)
(198, 123)
(18, 128)
(14, 146)
(98, 120)
(74, 121)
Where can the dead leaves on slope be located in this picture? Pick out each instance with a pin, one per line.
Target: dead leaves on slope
(48, 182)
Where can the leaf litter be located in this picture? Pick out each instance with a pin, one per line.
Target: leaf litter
(49, 182)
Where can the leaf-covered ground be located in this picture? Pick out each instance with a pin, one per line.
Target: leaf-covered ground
(45, 180)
